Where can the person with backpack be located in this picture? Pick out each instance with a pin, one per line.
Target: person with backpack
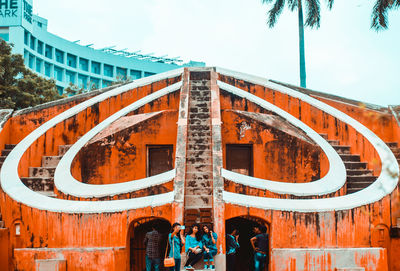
(152, 241)
(260, 244)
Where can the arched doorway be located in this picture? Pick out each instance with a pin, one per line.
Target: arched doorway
(137, 249)
(245, 225)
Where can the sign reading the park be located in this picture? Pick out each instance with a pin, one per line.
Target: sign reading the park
(12, 12)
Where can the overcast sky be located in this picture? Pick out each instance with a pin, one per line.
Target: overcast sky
(344, 57)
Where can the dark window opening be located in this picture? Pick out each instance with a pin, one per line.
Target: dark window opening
(159, 159)
(239, 158)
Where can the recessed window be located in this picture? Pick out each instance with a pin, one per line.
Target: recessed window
(82, 81)
(71, 60)
(26, 38)
(58, 73)
(94, 83)
(33, 43)
(122, 73)
(159, 159)
(134, 74)
(70, 76)
(47, 69)
(108, 70)
(96, 67)
(83, 64)
(106, 83)
(31, 62)
(17, 229)
(148, 74)
(40, 47)
(239, 158)
(59, 56)
(39, 64)
(48, 51)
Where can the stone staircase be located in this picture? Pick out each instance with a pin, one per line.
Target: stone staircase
(41, 179)
(358, 174)
(7, 149)
(198, 186)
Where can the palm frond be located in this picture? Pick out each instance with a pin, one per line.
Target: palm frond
(313, 13)
(330, 3)
(293, 4)
(274, 12)
(379, 14)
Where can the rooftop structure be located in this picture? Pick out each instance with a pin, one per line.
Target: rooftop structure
(83, 178)
(69, 62)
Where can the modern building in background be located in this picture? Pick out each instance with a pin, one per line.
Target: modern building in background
(68, 62)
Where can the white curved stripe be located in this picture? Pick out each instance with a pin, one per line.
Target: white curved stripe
(67, 184)
(331, 182)
(384, 185)
(12, 185)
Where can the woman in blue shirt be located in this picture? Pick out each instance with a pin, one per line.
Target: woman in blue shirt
(209, 241)
(176, 241)
(193, 246)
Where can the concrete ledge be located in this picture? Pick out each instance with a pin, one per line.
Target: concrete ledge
(327, 259)
(51, 265)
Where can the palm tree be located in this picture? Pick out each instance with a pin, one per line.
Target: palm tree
(380, 12)
(313, 20)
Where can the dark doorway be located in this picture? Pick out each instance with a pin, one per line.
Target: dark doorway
(137, 248)
(239, 158)
(159, 159)
(245, 254)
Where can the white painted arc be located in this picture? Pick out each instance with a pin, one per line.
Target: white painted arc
(383, 186)
(68, 185)
(331, 182)
(13, 186)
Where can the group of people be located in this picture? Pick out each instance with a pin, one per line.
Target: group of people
(201, 243)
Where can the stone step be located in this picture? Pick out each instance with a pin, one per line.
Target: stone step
(50, 161)
(199, 104)
(39, 184)
(350, 157)
(200, 122)
(392, 144)
(362, 179)
(2, 158)
(199, 191)
(397, 154)
(200, 128)
(199, 140)
(42, 172)
(200, 88)
(201, 115)
(334, 142)
(199, 146)
(352, 190)
(355, 165)
(5, 152)
(199, 110)
(198, 177)
(194, 133)
(9, 146)
(358, 185)
(198, 153)
(200, 98)
(359, 172)
(199, 83)
(198, 168)
(198, 201)
(195, 160)
(2, 224)
(206, 93)
(62, 149)
(342, 149)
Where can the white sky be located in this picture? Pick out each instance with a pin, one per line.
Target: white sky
(344, 57)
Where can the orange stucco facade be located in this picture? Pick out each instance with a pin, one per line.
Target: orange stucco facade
(369, 234)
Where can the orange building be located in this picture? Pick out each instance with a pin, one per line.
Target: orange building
(81, 178)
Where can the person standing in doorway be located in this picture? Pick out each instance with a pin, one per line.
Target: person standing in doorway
(176, 241)
(232, 245)
(152, 241)
(209, 241)
(260, 245)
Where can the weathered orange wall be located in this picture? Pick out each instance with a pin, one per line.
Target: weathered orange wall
(4, 249)
(121, 157)
(277, 156)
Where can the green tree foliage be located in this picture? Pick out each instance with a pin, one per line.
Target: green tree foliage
(20, 87)
(380, 13)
